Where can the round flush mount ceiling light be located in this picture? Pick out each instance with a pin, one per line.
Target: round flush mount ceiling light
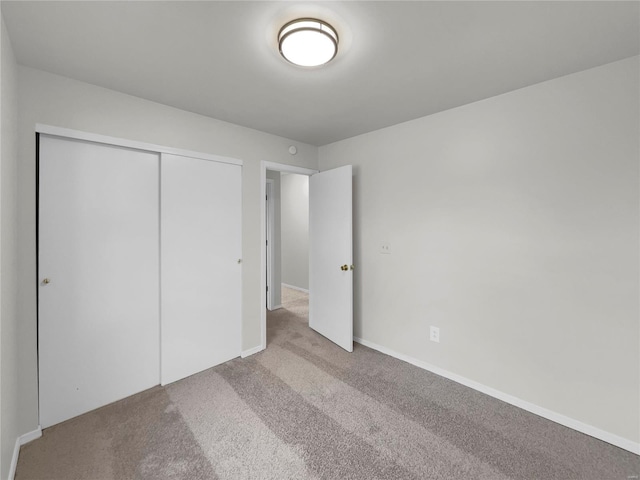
(308, 42)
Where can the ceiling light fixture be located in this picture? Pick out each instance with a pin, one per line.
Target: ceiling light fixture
(308, 42)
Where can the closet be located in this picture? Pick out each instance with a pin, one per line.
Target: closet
(139, 270)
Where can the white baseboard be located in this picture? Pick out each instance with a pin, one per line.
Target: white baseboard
(14, 459)
(31, 436)
(251, 351)
(22, 440)
(293, 287)
(587, 429)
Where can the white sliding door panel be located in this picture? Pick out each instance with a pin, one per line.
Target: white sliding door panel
(98, 310)
(330, 255)
(201, 248)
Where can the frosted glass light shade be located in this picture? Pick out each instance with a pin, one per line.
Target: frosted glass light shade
(308, 42)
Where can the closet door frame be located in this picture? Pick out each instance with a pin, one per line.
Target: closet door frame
(72, 134)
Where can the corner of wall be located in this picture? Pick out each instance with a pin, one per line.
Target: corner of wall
(8, 254)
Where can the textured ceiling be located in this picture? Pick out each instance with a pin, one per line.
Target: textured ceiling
(397, 60)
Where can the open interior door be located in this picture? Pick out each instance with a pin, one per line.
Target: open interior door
(331, 256)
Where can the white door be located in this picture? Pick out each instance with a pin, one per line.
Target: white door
(98, 318)
(330, 256)
(201, 250)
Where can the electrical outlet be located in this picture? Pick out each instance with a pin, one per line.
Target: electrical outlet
(434, 334)
(385, 248)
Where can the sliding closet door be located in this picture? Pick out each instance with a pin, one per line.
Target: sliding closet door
(98, 305)
(201, 264)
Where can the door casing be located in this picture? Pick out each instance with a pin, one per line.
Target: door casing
(269, 212)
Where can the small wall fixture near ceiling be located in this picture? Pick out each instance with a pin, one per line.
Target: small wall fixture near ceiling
(308, 42)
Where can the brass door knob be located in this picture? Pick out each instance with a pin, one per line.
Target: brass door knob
(46, 281)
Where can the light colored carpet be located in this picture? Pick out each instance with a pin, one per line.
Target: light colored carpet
(306, 409)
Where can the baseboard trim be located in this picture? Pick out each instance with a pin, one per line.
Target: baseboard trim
(251, 351)
(14, 459)
(585, 428)
(31, 436)
(22, 440)
(293, 287)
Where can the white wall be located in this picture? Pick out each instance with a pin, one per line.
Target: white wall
(295, 230)
(513, 225)
(8, 254)
(54, 100)
(276, 250)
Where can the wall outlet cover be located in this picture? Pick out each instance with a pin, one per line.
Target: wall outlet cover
(434, 334)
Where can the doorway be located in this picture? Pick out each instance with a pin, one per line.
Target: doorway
(271, 227)
(287, 247)
(287, 235)
(330, 253)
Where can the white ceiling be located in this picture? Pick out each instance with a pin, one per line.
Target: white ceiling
(397, 60)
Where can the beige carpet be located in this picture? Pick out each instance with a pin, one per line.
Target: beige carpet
(305, 409)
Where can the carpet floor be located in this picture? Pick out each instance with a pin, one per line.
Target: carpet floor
(305, 409)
